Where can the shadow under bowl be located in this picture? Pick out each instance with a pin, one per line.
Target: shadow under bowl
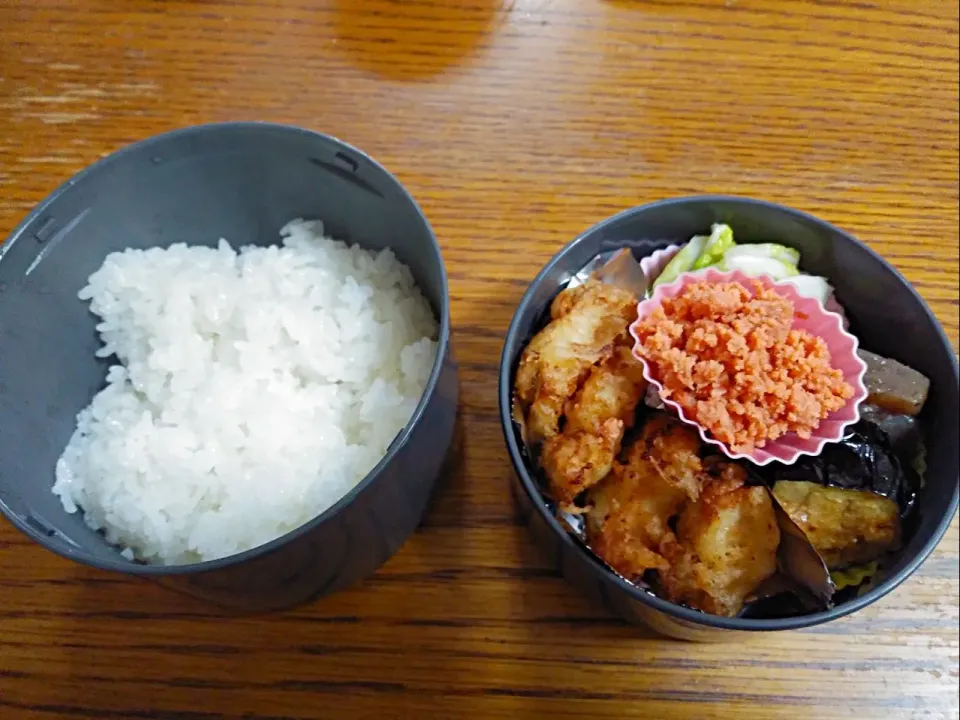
(886, 314)
(241, 182)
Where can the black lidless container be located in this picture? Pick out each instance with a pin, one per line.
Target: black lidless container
(886, 314)
(242, 182)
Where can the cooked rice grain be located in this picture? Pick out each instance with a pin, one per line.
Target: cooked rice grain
(254, 390)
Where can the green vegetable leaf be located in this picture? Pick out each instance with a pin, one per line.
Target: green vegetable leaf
(766, 250)
(753, 266)
(682, 261)
(853, 576)
(719, 242)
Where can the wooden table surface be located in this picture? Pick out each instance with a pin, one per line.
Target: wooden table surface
(516, 124)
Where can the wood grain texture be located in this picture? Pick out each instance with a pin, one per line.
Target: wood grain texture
(516, 124)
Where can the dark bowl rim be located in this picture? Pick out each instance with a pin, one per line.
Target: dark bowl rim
(696, 617)
(399, 442)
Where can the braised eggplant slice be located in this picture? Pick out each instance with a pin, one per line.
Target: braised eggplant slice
(863, 460)
(846, 527)
(799, 560)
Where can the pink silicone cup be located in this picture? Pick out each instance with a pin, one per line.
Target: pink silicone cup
(809, 315)
(654, 263)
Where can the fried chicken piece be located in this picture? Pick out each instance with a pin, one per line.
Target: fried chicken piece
(726, 546)
(567, 299)
(847, 527)
(612, 390)
(596, 418)
(629, 525)
(587, 322)
(674, 447)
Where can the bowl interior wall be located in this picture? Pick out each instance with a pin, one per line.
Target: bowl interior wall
(241, 183)
(885, 313)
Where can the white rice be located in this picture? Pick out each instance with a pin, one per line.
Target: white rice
(256, 389)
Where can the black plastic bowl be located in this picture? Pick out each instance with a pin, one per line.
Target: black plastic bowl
(886, 314)
(242, 182)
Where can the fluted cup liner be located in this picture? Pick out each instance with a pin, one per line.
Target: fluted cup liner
(809, 315)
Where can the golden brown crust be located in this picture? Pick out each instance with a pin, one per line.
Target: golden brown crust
(612, 390)
(674, 449)
(588, 322)
(596, 418)
(566, 300)
(726, 547)
(629, 526)
(575, 461)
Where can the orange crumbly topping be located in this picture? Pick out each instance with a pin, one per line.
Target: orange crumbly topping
(730, 359)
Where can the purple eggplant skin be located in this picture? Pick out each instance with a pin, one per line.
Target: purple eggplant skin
(864, 459)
